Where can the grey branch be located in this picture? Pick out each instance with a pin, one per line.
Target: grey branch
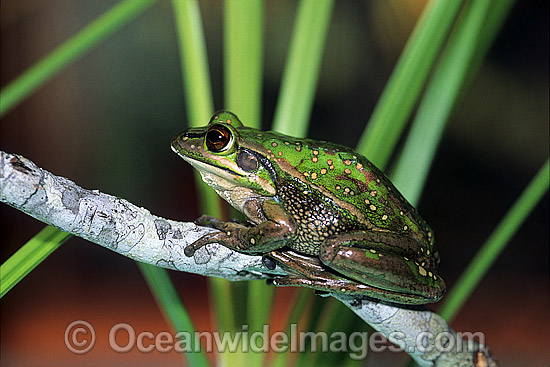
(134, 232)
(117, 224)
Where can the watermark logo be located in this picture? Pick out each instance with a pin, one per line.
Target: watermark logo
(80, 337)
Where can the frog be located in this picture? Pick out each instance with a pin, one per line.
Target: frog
(320, 211)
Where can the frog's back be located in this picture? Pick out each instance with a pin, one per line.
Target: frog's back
(349, 179)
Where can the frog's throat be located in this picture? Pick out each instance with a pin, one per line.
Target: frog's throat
(229, 185)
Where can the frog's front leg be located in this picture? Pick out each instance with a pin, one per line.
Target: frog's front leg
(273, 232)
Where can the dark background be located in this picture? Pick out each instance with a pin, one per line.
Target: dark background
(106, 122)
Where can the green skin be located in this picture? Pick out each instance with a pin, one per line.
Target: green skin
(323, 212)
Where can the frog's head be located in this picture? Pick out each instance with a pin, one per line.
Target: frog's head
(224, 164)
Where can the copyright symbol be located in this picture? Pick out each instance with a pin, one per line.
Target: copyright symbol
(79, 337)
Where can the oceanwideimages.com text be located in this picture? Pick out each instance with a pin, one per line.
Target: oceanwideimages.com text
(80, 338)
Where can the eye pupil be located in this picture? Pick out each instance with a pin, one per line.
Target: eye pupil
(218, 138)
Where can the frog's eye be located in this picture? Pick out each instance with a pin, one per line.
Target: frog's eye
(218, 138)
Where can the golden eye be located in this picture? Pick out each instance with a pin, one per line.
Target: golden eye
(218, 138)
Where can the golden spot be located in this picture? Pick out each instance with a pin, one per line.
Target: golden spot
(306, 174)
(229, 121)
(372, 207)
(352, 192)
(373, 193)
(430, 274)
(287, 143)
(406, 259)
(347, 171)
(185, 138)
(372, 250)
(422, 249)
(274, 144)
(315, 152)
(331, 167)
(323, 171)
(354, 156)
(384, 217)
(347, 162)
(314, 159)
(377, 180)
(259, 135)
(359, 166)
(192, 146)
(280, 154)
(427, 251)
(337, 187)
(367, 201)
(252, 240)
(269, 150)
(228, 233)
(422, 271)
(401, 212)
(298, 149)
(314, 175)
(329, 162)
(429, 234)
(405, 228)
(346, 190)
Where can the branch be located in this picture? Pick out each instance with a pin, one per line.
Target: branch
(134, 232)
(117, 224)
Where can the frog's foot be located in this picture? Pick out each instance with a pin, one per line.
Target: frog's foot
(308, 272)
(190, 250)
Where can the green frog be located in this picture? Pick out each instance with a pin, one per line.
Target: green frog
(322, 212)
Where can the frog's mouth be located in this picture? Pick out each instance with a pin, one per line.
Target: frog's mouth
(223, 173)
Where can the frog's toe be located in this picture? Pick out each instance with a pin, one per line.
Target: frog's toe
(207, 221)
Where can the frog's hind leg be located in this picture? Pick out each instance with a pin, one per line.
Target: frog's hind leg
(309, 272)
(385, 261)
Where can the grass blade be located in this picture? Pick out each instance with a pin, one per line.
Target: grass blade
(32, 253)
(199, 103)
(19, 89)
(302, 67)
(466, 49)
(392, 111)
(243, 56)
(194, 62)
(168, 300)
(196, 84)
(496, 242)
